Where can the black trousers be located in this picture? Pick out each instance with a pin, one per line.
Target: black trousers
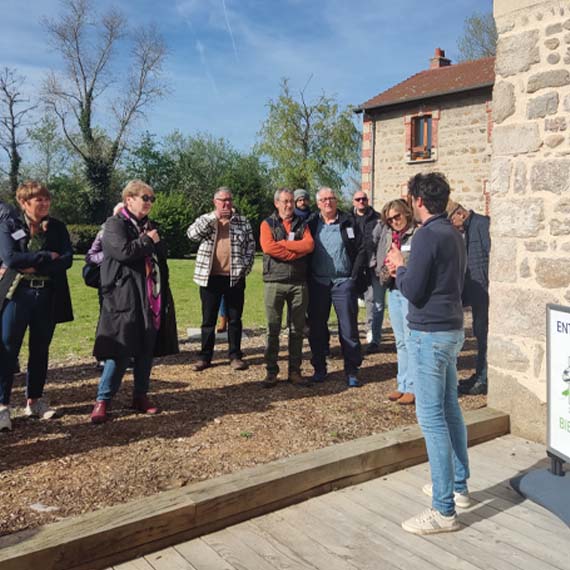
(211, 297)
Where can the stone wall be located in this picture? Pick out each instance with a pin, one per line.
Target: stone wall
(463, 149)
(530, 203)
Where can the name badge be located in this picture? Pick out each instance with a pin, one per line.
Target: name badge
(18, 234)
(350, 233)
(291, 236)
(406, 247)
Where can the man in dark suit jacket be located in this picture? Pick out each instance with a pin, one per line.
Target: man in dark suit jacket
(475, 228)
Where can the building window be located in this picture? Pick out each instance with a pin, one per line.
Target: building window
(421, 137)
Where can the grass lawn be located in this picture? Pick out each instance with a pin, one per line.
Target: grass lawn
(75, 339)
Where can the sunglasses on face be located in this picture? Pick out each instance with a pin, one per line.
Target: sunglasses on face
(148, 198)
(327, 199)
(363, 199)
(395, 218)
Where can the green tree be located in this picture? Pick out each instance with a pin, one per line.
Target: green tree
(50, 148)
(309, 144)
(479, 37)
(89, 47)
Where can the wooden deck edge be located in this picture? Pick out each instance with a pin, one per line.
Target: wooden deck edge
(115, 534)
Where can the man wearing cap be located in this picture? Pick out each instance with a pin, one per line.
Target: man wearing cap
(302, 203)
(475, 230)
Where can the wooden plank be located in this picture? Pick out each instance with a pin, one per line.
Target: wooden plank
(118, 533)
(372, 543)
(231, 548)
(515, 547)
(388, 516)
(315, 554)
(137, 564)
(202, 556)
(349, 543)
(168, 559)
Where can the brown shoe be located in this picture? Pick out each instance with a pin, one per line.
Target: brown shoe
(269, 381)
(395, 395)
(407, 399)
(99, 413)
(296, 378)
(238, 364)
(201, 365)
(144, 405)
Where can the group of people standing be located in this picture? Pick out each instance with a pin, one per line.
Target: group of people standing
(410, 252)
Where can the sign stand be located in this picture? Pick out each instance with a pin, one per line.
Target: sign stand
(558, 387)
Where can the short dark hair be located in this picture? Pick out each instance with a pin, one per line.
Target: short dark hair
(433, 188)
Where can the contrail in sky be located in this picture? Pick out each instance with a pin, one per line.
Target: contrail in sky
(230, 30)
(201, 50)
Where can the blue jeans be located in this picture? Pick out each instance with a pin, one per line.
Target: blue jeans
(374, 301)
(398, 307)
(28, 308)
(114, 370)
(433, 365)
(343, 297)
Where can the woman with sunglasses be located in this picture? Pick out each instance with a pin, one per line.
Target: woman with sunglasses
(137, 313)
(397, 228)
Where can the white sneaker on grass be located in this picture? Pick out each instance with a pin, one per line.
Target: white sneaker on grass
(431, 521)
(39, 409)
(463, 501)
(5, 421)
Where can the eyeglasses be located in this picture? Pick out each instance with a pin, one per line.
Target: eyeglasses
(362, 199)
(395, 218)
(148, 198)
(328, 199)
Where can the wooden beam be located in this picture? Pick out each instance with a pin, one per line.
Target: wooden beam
(116, 534)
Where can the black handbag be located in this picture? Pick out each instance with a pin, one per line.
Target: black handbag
(92, 275)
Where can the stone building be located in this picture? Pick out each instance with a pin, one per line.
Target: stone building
(530, 202)
(438, 119)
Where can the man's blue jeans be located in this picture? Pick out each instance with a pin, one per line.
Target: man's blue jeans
(433, 365)
(374, 298)
(398, 307)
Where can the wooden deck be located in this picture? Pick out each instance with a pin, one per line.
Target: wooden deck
(358, 527)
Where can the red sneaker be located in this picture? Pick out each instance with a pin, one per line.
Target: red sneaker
(144, 405)
(99, 413)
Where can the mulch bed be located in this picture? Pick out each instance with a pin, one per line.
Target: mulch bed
(215, 422)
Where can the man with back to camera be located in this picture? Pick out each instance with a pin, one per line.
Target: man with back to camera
(432, 282)
(475, 229)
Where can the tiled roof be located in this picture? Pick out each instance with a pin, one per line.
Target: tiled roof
(438, 81)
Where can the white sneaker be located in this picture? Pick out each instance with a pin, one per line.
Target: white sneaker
(463, 501)
(431, 521)
(5, 421)
(368, 337)
(39, 409)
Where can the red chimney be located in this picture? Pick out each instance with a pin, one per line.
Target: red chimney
(439, 59)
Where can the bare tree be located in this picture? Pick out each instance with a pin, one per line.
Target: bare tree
(479, 37)
(13, 110)
(88, 45)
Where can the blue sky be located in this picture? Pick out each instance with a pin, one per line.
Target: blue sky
(227, 57)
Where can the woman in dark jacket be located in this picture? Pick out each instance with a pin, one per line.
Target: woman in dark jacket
(137, 315)
(36, 253)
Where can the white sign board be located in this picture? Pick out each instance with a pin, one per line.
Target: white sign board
(558, 387)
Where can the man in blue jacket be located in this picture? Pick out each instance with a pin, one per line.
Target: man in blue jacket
(475, 229)
(432, 282)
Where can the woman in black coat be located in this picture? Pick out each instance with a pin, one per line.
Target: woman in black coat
(36, 253)
(137, 314)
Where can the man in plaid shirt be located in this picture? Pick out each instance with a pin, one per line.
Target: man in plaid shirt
(225, 256)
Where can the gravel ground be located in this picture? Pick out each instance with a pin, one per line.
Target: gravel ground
(215, 422)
